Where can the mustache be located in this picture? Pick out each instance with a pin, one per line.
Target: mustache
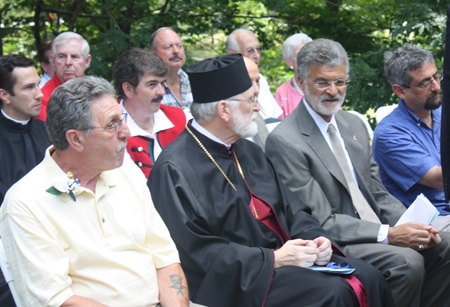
(327, 96)
(433, 94)
(175, 56)
(157, 98)
(123, 145)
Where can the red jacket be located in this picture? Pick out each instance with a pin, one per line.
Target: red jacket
(47, 90)
(140, 148)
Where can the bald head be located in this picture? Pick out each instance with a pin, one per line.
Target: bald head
(166, 43)
(253, 72)
(245, 42)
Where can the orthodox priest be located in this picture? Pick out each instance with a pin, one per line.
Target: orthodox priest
(244, 239)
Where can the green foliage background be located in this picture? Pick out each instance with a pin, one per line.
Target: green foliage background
(366, 29)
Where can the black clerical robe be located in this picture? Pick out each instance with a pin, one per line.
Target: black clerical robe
(228, 255)
(22, 147)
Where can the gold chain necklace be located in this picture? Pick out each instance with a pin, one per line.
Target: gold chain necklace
(220, 169)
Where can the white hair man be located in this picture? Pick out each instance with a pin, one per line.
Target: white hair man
(245, 42)
(70, 57)
(289, 94)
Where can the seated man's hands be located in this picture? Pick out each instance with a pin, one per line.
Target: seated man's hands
(413, 235)
(298, 252)
(325, 250)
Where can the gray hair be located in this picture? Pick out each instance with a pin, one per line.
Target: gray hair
(232, 44)
(65, 37)
(202, 112)
(152, 45)
(70, 106)
(321, 52)
(293, 42)
(405, 59)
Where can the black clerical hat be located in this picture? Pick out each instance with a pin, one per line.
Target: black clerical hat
(218, 78)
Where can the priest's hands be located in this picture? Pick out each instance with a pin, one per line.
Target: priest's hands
(414, 235)
(304, 253)
(325, 250)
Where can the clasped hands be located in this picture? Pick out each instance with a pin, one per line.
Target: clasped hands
(304, 253)
(414, 235)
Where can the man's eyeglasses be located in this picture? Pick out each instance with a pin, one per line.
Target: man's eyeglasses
(114, 125)
(253, 100)
(339, 83)
(426, 84)
(251, 51)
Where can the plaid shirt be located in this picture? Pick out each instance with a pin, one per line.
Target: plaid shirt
(186, 94)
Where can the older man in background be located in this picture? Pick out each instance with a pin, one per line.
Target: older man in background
(70, 56)
(166, 43)
(245, 42)
(289, 94)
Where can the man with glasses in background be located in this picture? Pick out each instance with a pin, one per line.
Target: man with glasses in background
(407, 143)
(80, 229)
(245, 42)
(323, 155)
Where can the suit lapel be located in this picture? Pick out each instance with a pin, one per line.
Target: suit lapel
(318, 144)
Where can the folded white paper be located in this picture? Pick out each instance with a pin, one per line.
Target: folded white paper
(420, 211)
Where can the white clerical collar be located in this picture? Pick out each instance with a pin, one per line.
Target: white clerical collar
(206, 133)
(23, 122)
(320, 122)
(160, 122)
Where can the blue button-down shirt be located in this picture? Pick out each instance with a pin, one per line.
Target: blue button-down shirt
(405, 149)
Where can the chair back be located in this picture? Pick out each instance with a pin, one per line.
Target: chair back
(8, 275)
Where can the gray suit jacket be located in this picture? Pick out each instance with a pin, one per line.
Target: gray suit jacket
(307, 165)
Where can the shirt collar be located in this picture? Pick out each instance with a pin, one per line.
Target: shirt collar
(208, 134)
(160, 122)
(23, 122)
(52, 169)
(436, 114)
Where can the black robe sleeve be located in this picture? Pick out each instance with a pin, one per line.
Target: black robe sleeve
(219, 272)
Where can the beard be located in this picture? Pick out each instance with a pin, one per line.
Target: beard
(434, 101)
(317, 102)
(243, 127)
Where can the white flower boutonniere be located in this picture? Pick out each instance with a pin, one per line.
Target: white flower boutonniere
(64, 183)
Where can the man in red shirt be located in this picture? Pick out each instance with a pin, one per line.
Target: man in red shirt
(70, 56)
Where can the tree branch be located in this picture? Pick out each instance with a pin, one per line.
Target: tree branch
(59, 11)
(75, 13)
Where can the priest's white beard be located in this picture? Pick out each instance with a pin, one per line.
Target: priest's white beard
(243, 127)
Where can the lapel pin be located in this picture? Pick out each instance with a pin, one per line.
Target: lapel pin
(355, 138)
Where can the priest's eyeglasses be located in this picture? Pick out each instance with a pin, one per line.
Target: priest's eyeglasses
(426, 84)
(253, 100)
(115, 125)
(339, 83)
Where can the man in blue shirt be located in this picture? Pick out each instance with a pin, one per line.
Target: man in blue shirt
(406, 143)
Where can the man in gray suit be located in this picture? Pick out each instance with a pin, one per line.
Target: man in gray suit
(323, 155)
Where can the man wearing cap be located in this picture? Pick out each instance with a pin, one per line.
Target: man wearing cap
(139, 77)
(243, 238)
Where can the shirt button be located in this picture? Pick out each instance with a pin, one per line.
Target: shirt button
(103, 219)
(140, 149)
(140, 164)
